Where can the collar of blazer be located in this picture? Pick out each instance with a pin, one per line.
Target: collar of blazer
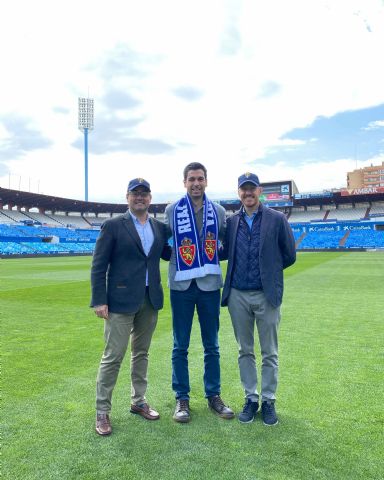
(130, 227)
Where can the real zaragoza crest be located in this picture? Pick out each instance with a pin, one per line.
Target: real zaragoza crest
(210, 245)
(187, 251)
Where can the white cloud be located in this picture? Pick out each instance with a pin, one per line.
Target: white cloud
(254, 70)
(375, 125)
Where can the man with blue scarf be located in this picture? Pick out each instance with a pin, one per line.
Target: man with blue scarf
(196, 225)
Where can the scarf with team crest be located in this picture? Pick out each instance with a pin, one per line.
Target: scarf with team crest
(195, 258)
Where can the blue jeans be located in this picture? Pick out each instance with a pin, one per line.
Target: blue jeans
(208, 309)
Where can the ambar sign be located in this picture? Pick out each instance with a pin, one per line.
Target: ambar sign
(362, 191)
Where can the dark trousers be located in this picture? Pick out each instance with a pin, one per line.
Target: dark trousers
(208, 310)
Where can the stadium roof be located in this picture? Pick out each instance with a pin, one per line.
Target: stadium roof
(34, 200)
(29, 200)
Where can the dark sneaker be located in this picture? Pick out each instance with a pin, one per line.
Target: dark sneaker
(182, 414)
(103, 424)
(249, 411)
(268, 413)
(217, 405)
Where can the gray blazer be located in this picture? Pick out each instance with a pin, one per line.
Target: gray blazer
(119, 266)
(277, 251)
(207, 283)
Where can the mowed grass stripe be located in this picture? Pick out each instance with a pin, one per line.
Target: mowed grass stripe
(335, 362)
(330, 376)
(16, 274)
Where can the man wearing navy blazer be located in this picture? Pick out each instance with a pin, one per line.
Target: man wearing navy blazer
(127, 294)
(259, 245)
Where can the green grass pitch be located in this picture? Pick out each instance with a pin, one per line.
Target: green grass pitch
(330, 396)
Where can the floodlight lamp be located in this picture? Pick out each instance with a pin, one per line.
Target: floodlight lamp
(85, 113)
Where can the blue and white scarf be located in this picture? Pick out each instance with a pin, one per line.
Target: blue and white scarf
(195, 258)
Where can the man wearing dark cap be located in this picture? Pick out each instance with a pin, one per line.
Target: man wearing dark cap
(259, 245)
(127, 294)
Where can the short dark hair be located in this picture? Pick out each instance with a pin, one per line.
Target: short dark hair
(194, 166)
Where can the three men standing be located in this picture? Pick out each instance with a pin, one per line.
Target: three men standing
(127, 294)
(195, 281)
(259, 245)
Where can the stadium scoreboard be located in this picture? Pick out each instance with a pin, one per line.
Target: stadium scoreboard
(278, 194)
(274, 194)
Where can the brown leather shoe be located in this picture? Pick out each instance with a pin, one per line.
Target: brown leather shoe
(145, 411)
(103, 424)
(217, 405)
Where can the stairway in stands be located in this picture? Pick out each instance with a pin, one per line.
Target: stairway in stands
(344, 239)
(300, 239)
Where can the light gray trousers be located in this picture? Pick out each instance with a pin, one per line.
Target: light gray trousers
(246, 308)
(117, 330)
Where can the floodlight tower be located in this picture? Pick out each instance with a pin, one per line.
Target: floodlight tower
(85, 124)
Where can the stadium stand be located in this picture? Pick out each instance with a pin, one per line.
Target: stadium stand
(30, 226)
(43, 218)
(72, 220)
(377, 211)
(14, 248)
(15, 216)
(365, 239)
(19, 239)
(4, 219)
(301, 215)
(347, 213)
(321, 240)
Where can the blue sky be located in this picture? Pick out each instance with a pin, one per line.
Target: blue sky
(288, 90)
(356, 134)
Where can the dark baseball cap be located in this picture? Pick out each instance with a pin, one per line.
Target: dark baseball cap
(248, 178)
(138, 182)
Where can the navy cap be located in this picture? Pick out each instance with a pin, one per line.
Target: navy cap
(248, 178)
(138, 182)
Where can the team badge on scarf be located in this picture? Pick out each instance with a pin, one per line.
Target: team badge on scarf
(210, 245)
(195, 258)
(187, 251)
